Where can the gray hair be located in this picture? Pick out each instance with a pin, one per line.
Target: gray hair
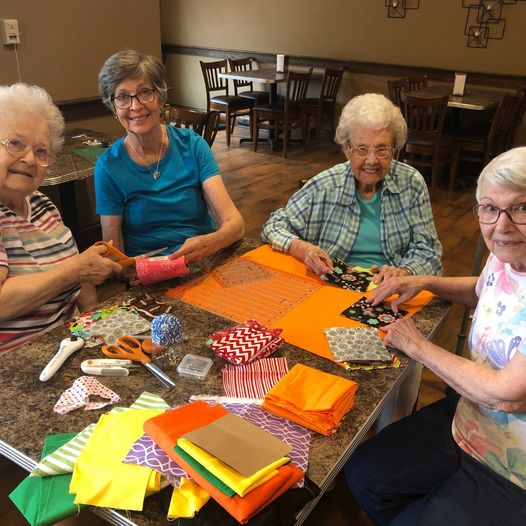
(374, 111)
(21, 99)
(507, 170)
(131, 64)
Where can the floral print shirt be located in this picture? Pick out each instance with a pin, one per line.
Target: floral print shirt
(498, 331)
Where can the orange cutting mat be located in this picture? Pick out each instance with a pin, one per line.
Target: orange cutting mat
(293, 298)
(242, 290)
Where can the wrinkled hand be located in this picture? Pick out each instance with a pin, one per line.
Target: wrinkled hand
(387, 271)
(406, 288)
(195, 248)
(404, 336)
(317, 260)
(91, 267)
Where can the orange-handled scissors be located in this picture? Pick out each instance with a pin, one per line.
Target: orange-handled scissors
(120, 257)
(129, 348)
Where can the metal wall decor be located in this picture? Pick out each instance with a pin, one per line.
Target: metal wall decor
(485, 21)
(397, 8)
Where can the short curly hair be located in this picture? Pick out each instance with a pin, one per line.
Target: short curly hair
(131, 64)
(22, 99)
(374, 111)
(507, 170)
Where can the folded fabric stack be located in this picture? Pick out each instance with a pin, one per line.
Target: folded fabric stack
(233, 466)
(245, 342)
(312, 398)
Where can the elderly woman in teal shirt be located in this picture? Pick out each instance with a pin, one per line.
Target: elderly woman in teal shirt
(371, 211)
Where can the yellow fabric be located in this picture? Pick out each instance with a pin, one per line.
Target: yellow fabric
(241, 485)
(100, 478)
(312, 398)
(187, 500)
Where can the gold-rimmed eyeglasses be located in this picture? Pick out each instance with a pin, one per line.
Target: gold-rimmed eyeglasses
(488, 214)
(380, 152)
(18, 148)
(124, 100)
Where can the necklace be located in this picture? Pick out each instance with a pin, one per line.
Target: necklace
(156, 173)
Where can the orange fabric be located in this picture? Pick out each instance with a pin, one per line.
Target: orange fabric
(312, 398)
(168, 427)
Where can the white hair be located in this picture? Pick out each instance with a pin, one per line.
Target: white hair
(507, 170)
(21, 99)
(373, 111)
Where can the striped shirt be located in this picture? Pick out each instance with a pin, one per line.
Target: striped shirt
(35, 244)
(326, 213)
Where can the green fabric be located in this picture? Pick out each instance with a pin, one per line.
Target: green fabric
(46, 500)
(91, 153)
(221, 486)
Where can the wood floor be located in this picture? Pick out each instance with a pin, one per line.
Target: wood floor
(261, 182)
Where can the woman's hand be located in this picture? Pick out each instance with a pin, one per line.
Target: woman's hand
(404, 336)
(406, 288)
(91, 267)
(195, 248)
(315, 258)
(387, 271)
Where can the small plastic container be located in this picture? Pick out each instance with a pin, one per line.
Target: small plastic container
(193, 366)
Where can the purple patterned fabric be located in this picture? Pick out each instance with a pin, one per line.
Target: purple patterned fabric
(146, 453)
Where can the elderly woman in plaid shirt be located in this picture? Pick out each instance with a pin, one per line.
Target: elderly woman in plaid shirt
(371, 211)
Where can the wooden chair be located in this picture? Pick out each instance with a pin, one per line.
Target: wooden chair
(427, 146)
(325, 104)
(477, 145)
(517, 120)
(203, 123)
(417, 82)
(284, 117)
(395, 89)
(231, 106)
(246, 64)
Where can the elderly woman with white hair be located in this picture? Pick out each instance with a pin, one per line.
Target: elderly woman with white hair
(43, 278)
(462, 460)
(371, 211)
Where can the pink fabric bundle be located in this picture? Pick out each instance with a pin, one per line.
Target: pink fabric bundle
(155, 270)
(245, 342)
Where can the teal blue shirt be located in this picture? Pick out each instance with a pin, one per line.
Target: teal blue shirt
(367, 250)
(158, 213)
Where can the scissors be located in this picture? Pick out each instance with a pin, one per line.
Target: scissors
(120, 257)
(129, 348)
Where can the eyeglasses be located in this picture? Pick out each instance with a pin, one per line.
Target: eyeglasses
(124, 100)
(19, 149)
(489, 214)
(381, 152)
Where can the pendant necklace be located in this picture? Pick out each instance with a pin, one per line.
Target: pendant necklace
(156, 173)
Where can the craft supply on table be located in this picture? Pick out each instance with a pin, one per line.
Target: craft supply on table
(357, 279)
(67, 347)
(155, 270)
(108, 367)
(245, 342)
(378, 316)
(194, 366)
(129, 348)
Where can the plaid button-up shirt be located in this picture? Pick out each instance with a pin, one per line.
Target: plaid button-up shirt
(326, 213)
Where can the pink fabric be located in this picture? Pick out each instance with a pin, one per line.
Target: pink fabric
(254, 379)
(79, 394)
(155, 270)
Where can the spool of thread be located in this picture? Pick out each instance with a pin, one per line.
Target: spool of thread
(166, 329)
(155, 270)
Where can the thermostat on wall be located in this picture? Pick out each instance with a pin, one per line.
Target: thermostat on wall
(10, 32)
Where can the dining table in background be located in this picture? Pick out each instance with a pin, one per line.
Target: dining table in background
(27, 404)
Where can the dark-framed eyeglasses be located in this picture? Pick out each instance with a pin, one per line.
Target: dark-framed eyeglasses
(124, 100)
(380, 152)
(488, 214)
(18, 148)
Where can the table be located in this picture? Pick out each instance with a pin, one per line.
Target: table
(269, 77)
(27, 404)
(473, 99)
(71, 167)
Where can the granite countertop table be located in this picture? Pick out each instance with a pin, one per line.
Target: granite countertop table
(27, 414)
